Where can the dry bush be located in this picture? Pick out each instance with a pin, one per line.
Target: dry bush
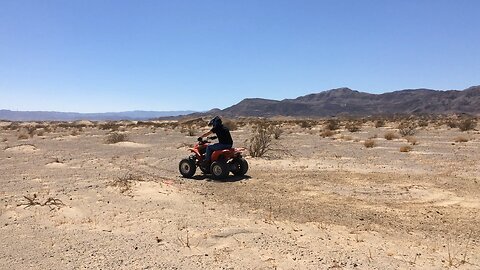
(23, 134)
(125, 182)
(276, 131)
(116, 137)
(109, 126)
(4, 140)
(352, 126)
(405, 148)
(332, 124)
(306, 124)
(452, 124)
(467, 124)
(327, 133)
(461, 139)
(411, 140)
(52, 203)
(407, 129)
(390, 136)
(13, 126)
(41, 132)
(260, 141)
(379, 123)
(189, 130)
(346, 137)
(423, 123)
(230, 124)
(369, 143)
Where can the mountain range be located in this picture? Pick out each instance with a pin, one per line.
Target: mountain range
(344, 101)
(72, 116)
(335, 102)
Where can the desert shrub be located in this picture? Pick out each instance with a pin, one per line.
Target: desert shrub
(276, 131)
(13, 126)
(390, 136)
(332, 124)
(467, 124)
(423, 123)
(109, 126)
(23, 134)
(407, 129)
(379, 123)
(116, 137)
(405, 148)
(461, 139)
(260, 141)
(452, 124)
(4, 139)
(411, 140)
(369, 143)
(306, 124)
(75, 132)
(352, 126)
(41, 132)
(230, 124)
(346, 137)
(327, 133)
(188, 130)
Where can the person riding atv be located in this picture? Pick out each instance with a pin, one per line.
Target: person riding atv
(224, 138)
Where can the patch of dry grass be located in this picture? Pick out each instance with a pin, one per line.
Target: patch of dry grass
(405, 148)
(390, 136)
(116, 137)
(369, 143)
(412, 140)
(461, 139)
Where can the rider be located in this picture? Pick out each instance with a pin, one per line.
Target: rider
(224, 138)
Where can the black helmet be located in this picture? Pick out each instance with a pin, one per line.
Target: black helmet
(216, 121)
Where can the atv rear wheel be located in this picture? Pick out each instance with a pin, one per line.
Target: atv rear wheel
(219, 170)
(239, 166)
(187, 167)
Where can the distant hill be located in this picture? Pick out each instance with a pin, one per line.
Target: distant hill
(344, 101)
(72, 116)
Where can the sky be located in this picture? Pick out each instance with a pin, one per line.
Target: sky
(109, 56)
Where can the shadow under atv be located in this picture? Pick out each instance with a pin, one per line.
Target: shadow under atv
(230, 178)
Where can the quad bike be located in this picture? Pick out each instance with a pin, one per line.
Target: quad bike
(222, 162)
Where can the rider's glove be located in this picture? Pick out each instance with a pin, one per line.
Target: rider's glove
(200, 139)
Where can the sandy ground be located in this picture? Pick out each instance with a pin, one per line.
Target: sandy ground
(313, 203)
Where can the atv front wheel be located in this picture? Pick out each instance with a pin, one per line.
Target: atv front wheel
(219, 170)
(239, 166)
(187, 167)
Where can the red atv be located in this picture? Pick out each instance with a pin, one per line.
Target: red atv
(223, 161)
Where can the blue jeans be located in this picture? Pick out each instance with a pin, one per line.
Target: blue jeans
(214, 147)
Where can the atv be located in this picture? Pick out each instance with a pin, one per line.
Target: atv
(222, 162)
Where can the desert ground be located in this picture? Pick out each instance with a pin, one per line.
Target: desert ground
(71, 200)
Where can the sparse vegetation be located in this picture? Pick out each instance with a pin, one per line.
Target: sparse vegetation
(390, 136)
(116, 137)
(260, 141)
(411, 140)
(407, 129)
(379, 123)
(230, 124)
(369, 143)
(332, 124)
(52, 203)
(461, 139)
(327, 133)
(125, 182)
(405, 148)
(467, 124)
(276, 131)
(22, 134)
(352, 126)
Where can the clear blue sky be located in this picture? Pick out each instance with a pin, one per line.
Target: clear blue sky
(99, 55)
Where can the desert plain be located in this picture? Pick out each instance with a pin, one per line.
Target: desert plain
(69, 199)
